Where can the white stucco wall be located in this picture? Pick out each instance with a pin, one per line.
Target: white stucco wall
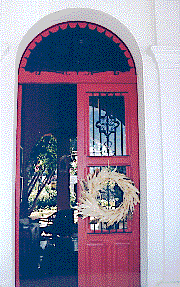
(145, 25)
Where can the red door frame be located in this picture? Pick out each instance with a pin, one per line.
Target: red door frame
(17, 184)
(54, 78)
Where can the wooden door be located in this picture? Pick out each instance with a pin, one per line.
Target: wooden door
(108, 257)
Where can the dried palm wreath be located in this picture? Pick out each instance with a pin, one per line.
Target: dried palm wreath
(89, 206)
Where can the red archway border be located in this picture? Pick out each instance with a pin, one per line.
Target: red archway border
(72, 25)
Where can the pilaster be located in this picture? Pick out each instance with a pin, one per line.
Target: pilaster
(169, 64)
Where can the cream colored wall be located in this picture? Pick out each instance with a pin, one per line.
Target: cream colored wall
(145, 26)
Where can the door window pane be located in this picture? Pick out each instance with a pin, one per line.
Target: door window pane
(109, 198)
(107, 124)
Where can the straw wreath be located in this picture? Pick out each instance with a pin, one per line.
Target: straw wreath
(89, 206)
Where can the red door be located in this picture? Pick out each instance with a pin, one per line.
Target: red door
(108, 256)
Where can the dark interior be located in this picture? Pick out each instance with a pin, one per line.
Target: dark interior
(49, 109)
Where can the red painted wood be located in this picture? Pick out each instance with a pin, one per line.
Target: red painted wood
(74, 78)
(103, 160)
(109, 259)
(17, 184)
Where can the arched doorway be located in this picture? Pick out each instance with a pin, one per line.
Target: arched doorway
(101, 67)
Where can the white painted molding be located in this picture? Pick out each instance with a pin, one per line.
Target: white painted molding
(169, 284)
(167, 57)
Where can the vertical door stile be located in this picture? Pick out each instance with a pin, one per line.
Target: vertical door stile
(82, 224)
(17, 184)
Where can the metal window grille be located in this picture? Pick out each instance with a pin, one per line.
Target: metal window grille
(101, 228)
(107, 124)
(109, 199)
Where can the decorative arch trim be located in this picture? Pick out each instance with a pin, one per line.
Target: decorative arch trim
(117, 59)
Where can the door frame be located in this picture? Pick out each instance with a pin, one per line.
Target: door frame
(79, 79)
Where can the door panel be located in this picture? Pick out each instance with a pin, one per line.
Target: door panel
(111, 257)
(95, 263)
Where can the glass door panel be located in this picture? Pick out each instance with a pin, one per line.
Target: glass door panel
(107, 124)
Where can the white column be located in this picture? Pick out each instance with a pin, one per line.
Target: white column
(169, 72)
(153, 199)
